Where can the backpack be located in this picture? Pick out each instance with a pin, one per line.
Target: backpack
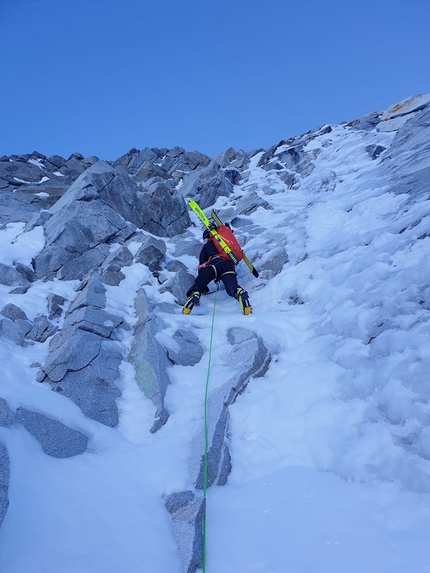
(227, 235)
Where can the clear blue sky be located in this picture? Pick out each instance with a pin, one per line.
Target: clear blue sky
(102, 76)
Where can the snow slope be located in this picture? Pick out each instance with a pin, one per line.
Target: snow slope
(330, 449)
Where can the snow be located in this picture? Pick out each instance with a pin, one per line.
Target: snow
(330, 453)
(44, 178)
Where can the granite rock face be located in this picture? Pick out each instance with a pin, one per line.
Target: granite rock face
(250, 351)
(150, 360)
(187, 513)
(83, 359)
(56, 439)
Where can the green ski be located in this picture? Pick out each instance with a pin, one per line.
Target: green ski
(197, 210)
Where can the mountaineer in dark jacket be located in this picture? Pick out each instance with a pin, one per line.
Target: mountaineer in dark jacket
(213, 267)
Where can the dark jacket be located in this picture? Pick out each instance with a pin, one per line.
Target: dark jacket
(208, 251)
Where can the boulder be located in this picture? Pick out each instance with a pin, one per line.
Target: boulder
(185, 348)
(57, 439)
(15, 330)
(13, 312)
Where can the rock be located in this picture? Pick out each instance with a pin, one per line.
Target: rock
(9, 276)
(164, 212)
(177, 159)
(78, 267)
(4, 482)
(367, 122)
(249, 350)
(93, 388)
(15, 330)
(41, 330)
(92, 293)
(13, 312)
(179, 284)
(56, 439)
(55, 162)
(187, 512)
(93, 320)
(82, 364)
(77, 228)
(28, 273)
(70, 350)
(152, 253)
(249, 203)
(186, 348)
(38, 220)
(190, 350)
(231, 158)
(149, 360)
(5, 415)
(55, 302)
(15, 208)
(150, 170)
(207, 184)
(134, 159)
(374, 151)
(110, 271)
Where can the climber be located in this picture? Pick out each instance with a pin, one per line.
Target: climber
(213, 267)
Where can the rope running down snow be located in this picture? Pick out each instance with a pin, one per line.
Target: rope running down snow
(205, 466)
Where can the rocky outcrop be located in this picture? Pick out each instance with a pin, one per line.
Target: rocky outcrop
(150, 360)
(83, 360)
(251, 354)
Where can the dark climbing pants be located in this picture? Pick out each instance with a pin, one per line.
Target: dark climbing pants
(217, 269)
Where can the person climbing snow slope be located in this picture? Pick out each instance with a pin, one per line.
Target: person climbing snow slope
(213, 266)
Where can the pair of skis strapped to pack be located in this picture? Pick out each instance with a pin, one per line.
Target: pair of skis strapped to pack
(235, 254)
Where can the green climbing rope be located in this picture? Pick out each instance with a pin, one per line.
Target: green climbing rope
(205, 463)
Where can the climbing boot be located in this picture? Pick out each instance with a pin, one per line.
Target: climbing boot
(192, 301)
(242, 296)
